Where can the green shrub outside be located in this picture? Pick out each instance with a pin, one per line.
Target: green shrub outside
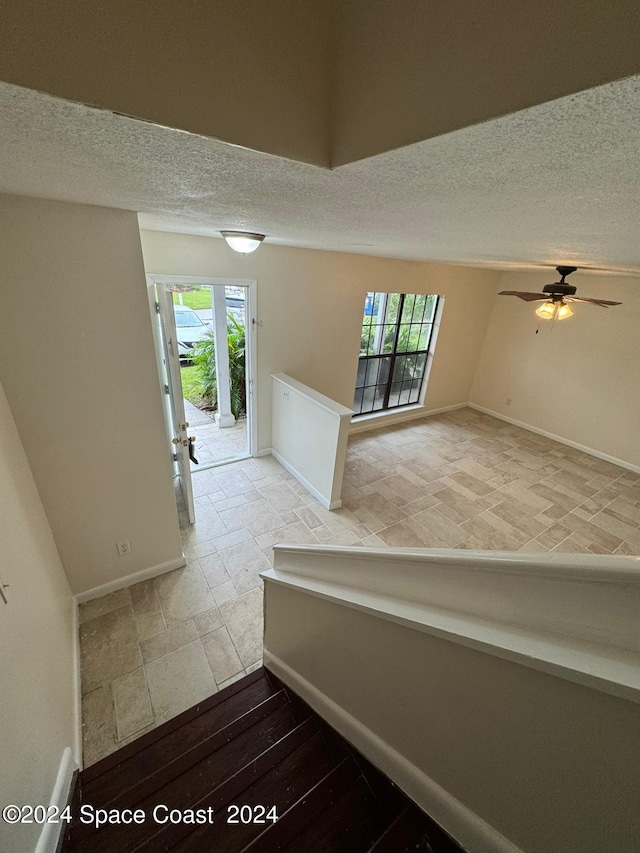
(204, 365)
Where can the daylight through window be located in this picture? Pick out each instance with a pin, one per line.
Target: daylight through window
(394, 349)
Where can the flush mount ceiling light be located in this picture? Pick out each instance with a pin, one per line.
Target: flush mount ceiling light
(556, 297)
(243, 241)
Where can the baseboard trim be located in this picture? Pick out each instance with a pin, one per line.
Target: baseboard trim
(130, 580)
(266, 451)
(77, 685)
(50, 835)
(326, 503)
(471, 831)
(379, 421)
(560, 439)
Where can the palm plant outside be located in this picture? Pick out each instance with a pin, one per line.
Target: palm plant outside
(204, 362)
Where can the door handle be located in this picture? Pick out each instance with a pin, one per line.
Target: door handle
(192, 456)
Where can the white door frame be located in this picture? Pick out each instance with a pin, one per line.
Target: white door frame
(250, 336)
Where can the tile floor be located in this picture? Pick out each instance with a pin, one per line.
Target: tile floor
(212, 443)
(458, 480)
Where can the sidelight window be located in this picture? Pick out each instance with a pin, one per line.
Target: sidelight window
(395, 346)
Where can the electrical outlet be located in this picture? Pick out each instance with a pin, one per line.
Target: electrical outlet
(285, 394)
(507, 402)
(123, 548)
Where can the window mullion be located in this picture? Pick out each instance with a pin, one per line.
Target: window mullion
(392, 363)
(399, 317)
(382, 313)
(387, 390)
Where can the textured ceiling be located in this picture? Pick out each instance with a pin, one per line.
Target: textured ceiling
(554, 183)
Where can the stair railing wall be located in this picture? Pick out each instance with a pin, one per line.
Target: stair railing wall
(500, 691)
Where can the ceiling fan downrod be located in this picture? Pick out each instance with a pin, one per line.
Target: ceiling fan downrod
(564, 272)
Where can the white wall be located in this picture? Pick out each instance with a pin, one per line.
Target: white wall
(37, 691)
(311, 303)
(309, 437)
(578, 378)
(77, 363)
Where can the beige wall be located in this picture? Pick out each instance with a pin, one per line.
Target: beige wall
(315, 80)
(578, 378)
(37, 707)
(548, 763)
(410, 70)
(310, 304)
(251, 73)
(77, 363)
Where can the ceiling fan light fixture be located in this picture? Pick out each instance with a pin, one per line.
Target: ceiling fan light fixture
(563, 311)
(244, 242)
(547, 310)
(558, 310)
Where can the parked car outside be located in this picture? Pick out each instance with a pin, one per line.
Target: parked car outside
(189, 330)
(235, 308)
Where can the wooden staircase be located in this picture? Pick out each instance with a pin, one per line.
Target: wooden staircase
(254, 746)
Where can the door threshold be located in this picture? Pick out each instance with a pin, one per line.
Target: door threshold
(228, 461)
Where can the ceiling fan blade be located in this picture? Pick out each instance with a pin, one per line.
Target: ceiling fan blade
(528, 297)
(603, 303)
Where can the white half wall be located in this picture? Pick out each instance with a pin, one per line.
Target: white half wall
(576, 379)
(513, 735)
(78, 366)
(310, 307)
(309, 437)
(38, 708)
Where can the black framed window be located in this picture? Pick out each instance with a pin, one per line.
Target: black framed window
(394, 348)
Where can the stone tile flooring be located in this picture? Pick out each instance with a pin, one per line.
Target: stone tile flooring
(214, 444)
(457, 480)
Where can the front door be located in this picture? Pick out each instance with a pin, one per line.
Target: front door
(173, 385)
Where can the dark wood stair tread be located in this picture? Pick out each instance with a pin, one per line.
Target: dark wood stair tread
(307, 808)
(140, 788)
(253, 744)
(413, 832)
(282, 785)
(199, 781)
(106, 779)
(349, 824)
